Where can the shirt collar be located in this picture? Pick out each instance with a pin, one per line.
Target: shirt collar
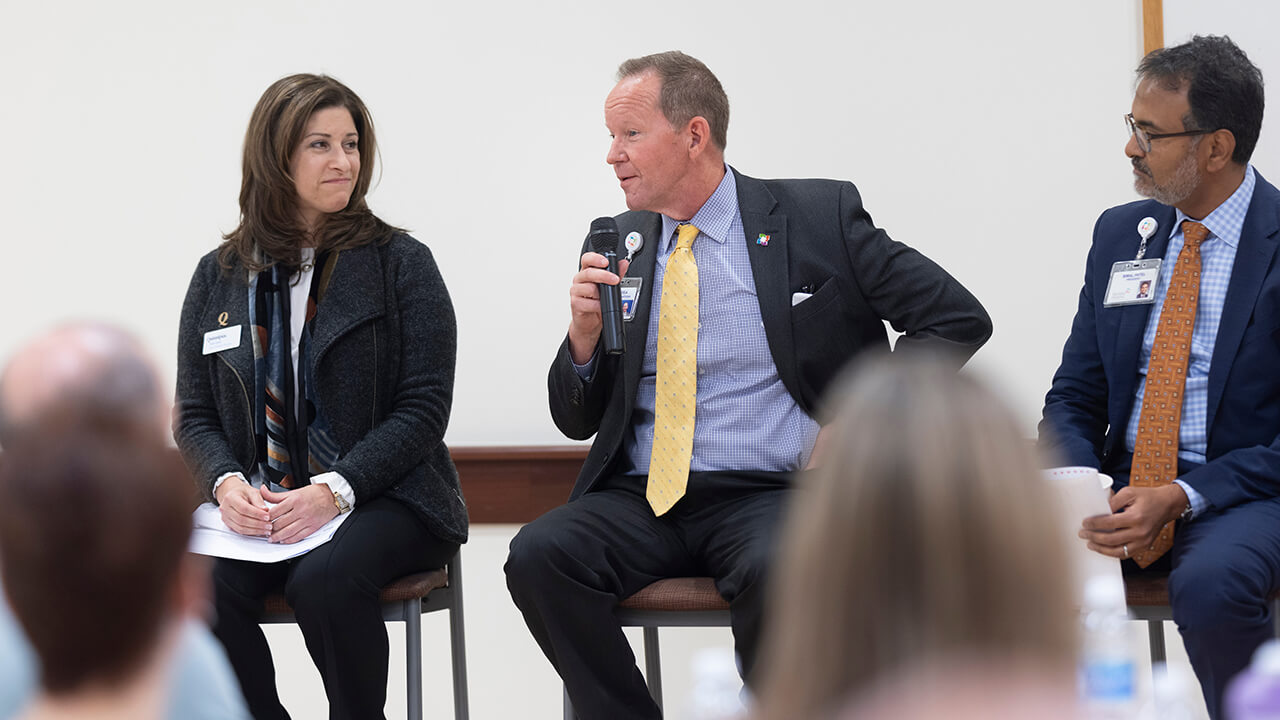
(713, 219)
(1227, 220)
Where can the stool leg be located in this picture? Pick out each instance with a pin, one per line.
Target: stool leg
(1155, 638)
(413, 656)
(653, 664)
(457, 639)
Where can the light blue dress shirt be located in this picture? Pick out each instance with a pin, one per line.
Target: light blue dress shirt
(203, 687)
(1217, 255)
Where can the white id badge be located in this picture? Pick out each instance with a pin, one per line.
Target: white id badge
(215, 341)
(1132, 282)
(630, 288)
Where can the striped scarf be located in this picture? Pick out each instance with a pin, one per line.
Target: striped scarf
(284, 436)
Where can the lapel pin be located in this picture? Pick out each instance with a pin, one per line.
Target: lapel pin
(222, 318)
(763, 240)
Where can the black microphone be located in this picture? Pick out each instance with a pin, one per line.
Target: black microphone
(604, 240)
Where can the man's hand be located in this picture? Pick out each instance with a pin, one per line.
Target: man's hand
(1136, 519)
(584, 304)
(242, 508)
(298, 513)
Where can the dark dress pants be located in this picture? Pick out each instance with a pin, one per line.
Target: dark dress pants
(1222, 569)
(1225, 566)
(568, 569)
(334, 593)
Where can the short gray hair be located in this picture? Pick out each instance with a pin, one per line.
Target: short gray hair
(689, 90)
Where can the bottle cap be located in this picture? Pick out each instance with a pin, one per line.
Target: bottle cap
(1266, 659)
(1104, 592)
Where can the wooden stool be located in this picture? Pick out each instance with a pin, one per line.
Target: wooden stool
(405, 600)
(671, 602)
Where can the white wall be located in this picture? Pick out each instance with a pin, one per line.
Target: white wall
(986, 133)
(1251, 25)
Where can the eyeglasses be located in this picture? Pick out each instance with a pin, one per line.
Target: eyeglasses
(1144, 138)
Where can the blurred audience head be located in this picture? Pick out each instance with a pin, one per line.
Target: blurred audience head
(965, 689)
(94, 523)
(96, 368)
(927, 533)
(94, 508)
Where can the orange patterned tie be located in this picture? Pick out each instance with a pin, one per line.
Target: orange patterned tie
(677, 376)
(1155, 451)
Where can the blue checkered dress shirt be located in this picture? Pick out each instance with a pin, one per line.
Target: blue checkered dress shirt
(745, 419)
(1217, 255)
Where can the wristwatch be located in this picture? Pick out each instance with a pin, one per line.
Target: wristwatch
(1186, 513)
(341, 503)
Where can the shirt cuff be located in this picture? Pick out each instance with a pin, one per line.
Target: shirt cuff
(221, 478)
(585, 371)
(337, 484)
(1198, 503)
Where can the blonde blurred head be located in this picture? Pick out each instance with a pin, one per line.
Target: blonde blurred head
(926, 532)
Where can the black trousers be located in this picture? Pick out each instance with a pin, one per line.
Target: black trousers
(334, 593)
(568, 569)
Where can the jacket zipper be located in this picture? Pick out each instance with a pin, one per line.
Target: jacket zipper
(373, 415)
(247, 406)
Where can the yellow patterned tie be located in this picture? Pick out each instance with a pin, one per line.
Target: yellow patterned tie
(1155, 451)
(677, 378)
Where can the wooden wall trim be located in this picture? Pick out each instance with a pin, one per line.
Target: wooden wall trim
(516, 483)
(1152, 25)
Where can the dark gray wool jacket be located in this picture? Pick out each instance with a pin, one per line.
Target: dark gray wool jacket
(384, 345)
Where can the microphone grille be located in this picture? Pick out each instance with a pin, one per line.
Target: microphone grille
(604, 235)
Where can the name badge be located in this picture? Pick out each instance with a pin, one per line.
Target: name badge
(630, 290)
(1132, 282)
(215, 341)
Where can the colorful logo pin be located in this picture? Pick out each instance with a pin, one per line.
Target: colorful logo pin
(763, 240)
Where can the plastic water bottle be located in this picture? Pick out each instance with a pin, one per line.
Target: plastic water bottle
(1108, 671)
(716, 686)
(1173, 695)
(1255, 693)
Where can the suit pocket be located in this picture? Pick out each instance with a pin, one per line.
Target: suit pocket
(1264, 332)
(820, 328)
(816, 304)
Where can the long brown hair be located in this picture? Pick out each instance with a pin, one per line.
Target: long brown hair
(926, 532)
(269, 221)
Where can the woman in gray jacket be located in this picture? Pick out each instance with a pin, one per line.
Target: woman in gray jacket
(315, 375)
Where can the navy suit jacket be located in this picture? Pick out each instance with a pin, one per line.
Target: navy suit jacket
(820, 237)
(1088, 407)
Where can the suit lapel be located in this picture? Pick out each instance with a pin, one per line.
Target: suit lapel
(1133, 319)
(229, 306)
(769, 270)
(637, 331)
(1257, 247)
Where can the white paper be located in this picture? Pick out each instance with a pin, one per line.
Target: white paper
(1083, 492)
(211, 536)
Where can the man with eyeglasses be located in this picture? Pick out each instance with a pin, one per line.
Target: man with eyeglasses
(1177, 394)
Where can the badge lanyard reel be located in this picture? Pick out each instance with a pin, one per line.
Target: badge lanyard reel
(1133, 282)
(630, 286)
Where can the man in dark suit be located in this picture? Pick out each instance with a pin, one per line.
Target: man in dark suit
(1179, 399)
(790, 280)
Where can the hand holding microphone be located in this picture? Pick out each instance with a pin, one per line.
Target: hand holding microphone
(604, 240)
(590, 297)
